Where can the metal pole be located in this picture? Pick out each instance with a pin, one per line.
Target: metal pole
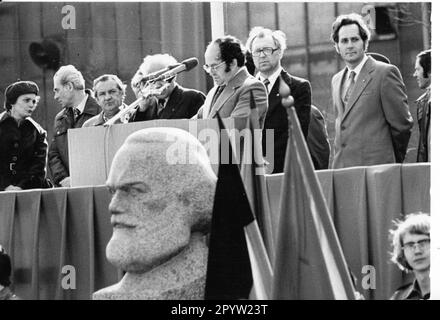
(217, 20)
(426, 25)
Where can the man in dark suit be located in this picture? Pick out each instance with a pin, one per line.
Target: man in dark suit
(267, 48)
(317, 140)
(78, 106)
(422, 72)
(373, 123)
(164, 99)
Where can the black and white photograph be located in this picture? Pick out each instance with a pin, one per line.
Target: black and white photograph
(208, 151)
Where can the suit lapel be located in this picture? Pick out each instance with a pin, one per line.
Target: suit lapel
(337, 88)
(361, 83)
(172, 103)
(229, 90)
(207, 105)
(274, 97)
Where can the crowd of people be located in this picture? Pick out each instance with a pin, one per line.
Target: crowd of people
(373, 122)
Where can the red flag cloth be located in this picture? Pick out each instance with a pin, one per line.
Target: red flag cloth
(253, 173)
(229, 274)
(309, 263)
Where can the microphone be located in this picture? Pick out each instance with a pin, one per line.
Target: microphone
(155, 74)
(185, 65)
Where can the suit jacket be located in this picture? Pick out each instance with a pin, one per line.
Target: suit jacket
(375, 126)
(58, 150)
(235, 99)
(183, 103)
(424, 119)
(317, 140)
(276, 117)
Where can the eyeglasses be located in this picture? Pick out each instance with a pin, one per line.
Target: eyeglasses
(422, 244)
(266, 51)
(209, 68)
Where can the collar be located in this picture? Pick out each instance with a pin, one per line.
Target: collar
(82, 104)
(165, 101)
(235, 77)
(413, 292)
(426, 96)
(358, 67)
(6, 115)
(272, 78)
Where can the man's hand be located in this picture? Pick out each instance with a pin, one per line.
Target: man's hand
(12, 188)
(65, 182)
(146, 102)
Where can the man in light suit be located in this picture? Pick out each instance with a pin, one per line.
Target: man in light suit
(230, 97)
(373, 122)
(267, 48)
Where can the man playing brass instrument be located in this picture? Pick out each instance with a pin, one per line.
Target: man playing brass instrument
(164, 98)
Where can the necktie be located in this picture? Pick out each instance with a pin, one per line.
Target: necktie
(71, 113)
(160, 106)
(217, 94)
(76, 113)
(350, 87)
(267, 83)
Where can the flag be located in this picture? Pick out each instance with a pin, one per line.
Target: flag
(235, 245)
(254, 179)
(309, 263)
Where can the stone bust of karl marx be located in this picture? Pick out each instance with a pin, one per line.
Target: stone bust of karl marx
(162, 189)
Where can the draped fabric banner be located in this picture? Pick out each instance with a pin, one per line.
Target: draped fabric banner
(363, 201)
(57, 237)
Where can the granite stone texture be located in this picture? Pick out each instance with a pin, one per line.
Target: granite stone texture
(162, 189)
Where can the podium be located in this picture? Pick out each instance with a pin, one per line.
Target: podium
(91, 149)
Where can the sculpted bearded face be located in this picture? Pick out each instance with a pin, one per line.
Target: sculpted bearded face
(156, 204)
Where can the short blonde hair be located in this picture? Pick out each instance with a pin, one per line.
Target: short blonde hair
(70, 74)
(278, 36)
(414, 223)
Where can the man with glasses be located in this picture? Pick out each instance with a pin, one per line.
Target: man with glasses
(110, 94)
(230, 96)
(411, 253)
(164, 98)
(267, 48)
